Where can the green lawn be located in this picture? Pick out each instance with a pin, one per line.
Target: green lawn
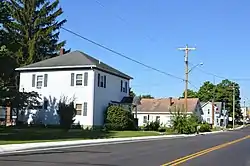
(15, 136)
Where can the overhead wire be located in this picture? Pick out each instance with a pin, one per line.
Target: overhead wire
(121, 55)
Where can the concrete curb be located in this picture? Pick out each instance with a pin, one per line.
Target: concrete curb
(27, 146)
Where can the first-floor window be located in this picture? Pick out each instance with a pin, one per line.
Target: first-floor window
(78, 109)
(145, 119)
(158, 118)
(208, 120)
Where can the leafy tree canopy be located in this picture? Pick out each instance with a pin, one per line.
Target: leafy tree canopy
(222, 92)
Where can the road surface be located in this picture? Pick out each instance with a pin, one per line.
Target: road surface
(228, 148)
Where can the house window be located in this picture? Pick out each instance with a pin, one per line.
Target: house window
(145, 119)
(208, 111)
(78, 109)
(126, 87)
(39, 81)
(102, 82)
(86, 79)
(105, 80)
(85, 108)
(208, 120)
(158, 118)
(98, 80)
(79, 79)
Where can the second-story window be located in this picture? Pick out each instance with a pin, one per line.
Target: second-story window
(208, 111)
(101, 80)
(39, 81)
(78, 79)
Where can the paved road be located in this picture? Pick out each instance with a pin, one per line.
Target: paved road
(150, 153)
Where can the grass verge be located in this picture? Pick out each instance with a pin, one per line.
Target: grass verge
(31, 135)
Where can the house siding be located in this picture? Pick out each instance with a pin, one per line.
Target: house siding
(103, 96)
(59, 85)
(165, 119)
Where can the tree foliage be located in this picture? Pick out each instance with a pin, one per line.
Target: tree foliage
(117, 118)
(66, 112)
(191, 94)
(183, 123)
(146, 97)
(131, 93)
(35, 27)
(222, 92)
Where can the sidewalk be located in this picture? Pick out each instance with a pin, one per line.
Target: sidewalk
(11, 148)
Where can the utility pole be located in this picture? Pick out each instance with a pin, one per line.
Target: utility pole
(213, 103)
(224, 113)
(186, 49)
(233, 105)
(244, 113)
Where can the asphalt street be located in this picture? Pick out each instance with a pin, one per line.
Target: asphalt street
(149, 153)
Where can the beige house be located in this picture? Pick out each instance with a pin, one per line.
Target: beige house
(162, 109)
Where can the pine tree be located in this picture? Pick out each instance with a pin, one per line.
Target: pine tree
(36, 29)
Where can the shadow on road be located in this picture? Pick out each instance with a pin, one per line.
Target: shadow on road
(54, 162)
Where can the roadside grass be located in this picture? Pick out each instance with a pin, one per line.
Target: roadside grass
(29, 135)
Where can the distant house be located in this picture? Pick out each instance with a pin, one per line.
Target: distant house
(219, 116)
(92, 83)
(163, 109)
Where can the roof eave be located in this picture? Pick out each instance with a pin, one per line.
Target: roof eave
(55, 67)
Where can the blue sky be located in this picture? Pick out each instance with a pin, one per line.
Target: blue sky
(151, 31)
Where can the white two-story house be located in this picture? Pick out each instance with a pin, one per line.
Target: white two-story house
(219, 118)
(75, 75)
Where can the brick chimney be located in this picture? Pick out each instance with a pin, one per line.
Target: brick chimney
(62, 50)
(171, 101)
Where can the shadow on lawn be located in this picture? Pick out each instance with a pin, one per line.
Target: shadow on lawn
(10, 134)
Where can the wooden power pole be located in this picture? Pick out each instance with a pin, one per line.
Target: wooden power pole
(186, 49)
(233, 105)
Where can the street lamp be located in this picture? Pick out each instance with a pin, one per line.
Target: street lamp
(200, 64)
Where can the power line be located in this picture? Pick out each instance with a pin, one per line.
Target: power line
(120, 54)
(218, 76)
(122, 19)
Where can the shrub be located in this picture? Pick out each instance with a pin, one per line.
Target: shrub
(152, 126)
(205, 127)
(66, 113)
(162, 129)
(118, 118)
(184, 124)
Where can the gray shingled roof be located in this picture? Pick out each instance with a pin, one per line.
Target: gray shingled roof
(73, 59)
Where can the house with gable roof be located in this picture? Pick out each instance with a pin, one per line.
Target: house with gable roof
(92, 83)
(162, 109)
(220, 116)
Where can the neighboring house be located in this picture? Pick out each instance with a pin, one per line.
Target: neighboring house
(219, 116)
(245, 113)
(92, 83)
(162, 109)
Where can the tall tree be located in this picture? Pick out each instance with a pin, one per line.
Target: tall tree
(131, 93)
(206, 91)
(225, 94)
(35, 25)
(191, 94)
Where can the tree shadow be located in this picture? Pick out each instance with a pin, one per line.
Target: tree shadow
(55, 162)
(41, 127)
